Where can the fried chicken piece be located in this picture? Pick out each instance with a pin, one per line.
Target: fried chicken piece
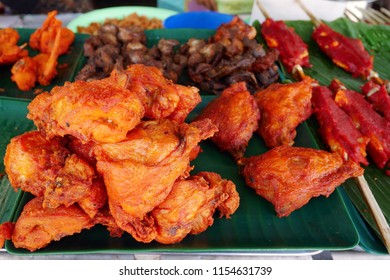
(236, 115)
(43, 39)
(282, 108)
(24, 73)
(42, 68)
(161, 98)
(190, 206)
(31, 161)
(76, 182)
(10, 52)
(98, 110)
(289, 177)
(6, 230)
(37, 226)
(140, 171)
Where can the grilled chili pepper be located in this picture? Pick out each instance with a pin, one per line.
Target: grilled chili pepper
(378, 96)
(347, 53)
(292, 49)
(369, 122)
(337, 128)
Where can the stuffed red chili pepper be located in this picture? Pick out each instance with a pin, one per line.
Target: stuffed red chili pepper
(347, 53)
(292, 49)
(336, 127)
(369, 122)
(378, 96)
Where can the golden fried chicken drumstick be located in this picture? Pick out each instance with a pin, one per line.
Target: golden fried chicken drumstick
(140, 171)
(236, 115)
(289, 177)
(190, 206)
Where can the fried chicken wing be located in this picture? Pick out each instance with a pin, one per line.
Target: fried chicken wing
(37, 226)
(44, 37)
(98, 110)
(282, 108)
(160, 96)
(190, 206)
(236, 115)
(289, 177)
(140, 171)
(31, 161)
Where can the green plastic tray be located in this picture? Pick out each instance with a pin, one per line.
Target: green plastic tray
(323, 224)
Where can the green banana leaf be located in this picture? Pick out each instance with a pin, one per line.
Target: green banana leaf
(376, 39)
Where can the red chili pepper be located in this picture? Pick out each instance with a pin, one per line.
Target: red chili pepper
(292, 49)
(369, 122)
(347, 53)
(337, 128)
(378, 96)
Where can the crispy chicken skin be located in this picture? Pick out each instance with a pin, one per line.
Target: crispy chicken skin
(6, 230)
(43, 38)
(236, 115)
(140, 171)
(76, 182)
(289, 177)
(189, 207)
(282, 108)
(98, 110)
(37, 226)
(31, 161)
(161, 97)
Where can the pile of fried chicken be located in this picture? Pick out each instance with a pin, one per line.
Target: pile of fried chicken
(115, 152)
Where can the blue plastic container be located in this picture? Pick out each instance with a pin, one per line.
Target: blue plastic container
(198, 19)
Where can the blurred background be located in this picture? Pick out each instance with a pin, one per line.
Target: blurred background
(82, 6)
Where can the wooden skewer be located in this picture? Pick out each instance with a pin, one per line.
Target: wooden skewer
(262, 9)
(376, 211)
(312, 17)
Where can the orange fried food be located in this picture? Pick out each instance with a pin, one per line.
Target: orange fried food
(10, 52)
(98, 110)
(37, 226)
(6, 230)
(42, 68)
(43, 39)
(190, 206)
(76, 182)
(139, 172)
(282, 108)
(24, 73)
(236, 115)
(31, 161)
(289, 177)
(160, 96)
